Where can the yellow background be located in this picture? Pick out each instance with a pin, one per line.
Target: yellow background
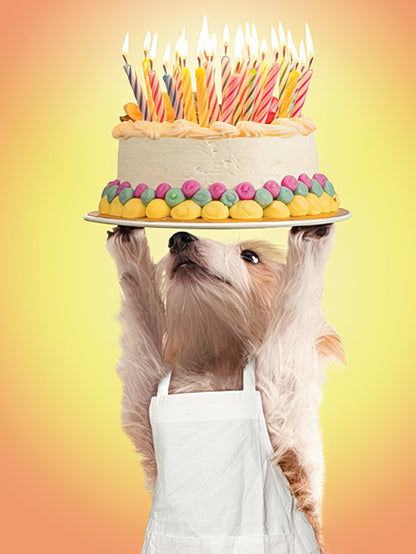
(71, 480)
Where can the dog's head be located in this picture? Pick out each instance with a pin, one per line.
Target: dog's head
(219, 298)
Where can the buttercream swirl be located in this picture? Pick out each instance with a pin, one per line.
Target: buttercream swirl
(181, 128)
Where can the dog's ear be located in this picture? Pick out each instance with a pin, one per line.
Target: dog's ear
(329, 347)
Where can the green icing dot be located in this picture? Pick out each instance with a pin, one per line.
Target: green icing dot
(263, 197)
(147, 195)
(229, 198)
(301, 189)
(202, 197)
(105, 190)
(174, 196)
(285, 195)
(126, 194)
(316, 188)
(329, 188)
(112, 192)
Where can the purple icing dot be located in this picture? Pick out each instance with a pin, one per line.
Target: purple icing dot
(217, 190)
(273, 187)
(245, 191)
(162, 189)
(290, 182)
(123, 185)
(303, 178)
(190, 187)
(320, 177)
(139, 189)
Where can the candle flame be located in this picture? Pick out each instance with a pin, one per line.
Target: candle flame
(254, 45)
(166, 55)
(184, 49)
(238, 44)
(146, 42)
(282, 36)
(309, 43)
(263, 47)
(153, 48)
(291, 45)
(125, 47)
(213, 45)
(248, 32)
(275, 42)
(203, 40)
(302, 52)
(226, 36)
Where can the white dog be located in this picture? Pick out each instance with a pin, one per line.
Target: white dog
(203, 310)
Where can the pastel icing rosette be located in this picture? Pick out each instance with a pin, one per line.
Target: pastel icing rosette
(202, 197)
(190, 187)
(316, 187)
(217, 190)
(116, 207)
(104, 206)
(147, 195)
(321, 178)
(139, 189)
(186, 210)
(263, 197)
(157, 209)
(174, 196)
(298, 206)
(215, 210)
(245, 191)
(161, 190)
(303, 178)
(246, 210)
(112, 193)
(133, 208)
(273, 187)
(301, 189)
(329, 188)
(314, 205)
(125, 194)
(123, 185)
(285, 195)
(290, 182)
(277, 210)
(230, 197)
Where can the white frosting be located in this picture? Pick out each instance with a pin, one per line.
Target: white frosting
(255, 159)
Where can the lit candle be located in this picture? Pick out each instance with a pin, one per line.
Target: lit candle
(171, 86)
(303, 84)
(146, 65)
(261, 77)
(188, 95)
(202, 96)
(227, 106)
(241, 68)
(284, 66)
(225, 63)
(249, 96)
(285, 101)
(159, 104)
(134, 82)
(309, 46)
(213, 106)
(263, 107)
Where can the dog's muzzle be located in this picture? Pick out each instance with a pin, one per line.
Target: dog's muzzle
(179, 241)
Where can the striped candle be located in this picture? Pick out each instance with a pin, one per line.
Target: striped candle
(274, 104)
(247, 110)
(283, 75)
(174, 96)
(303, 87)
(285, 101)
(188, 95)
(263, 107)
(213, 106)
(137, 91)
(225, 75)
(157, 96)
(238, 104)
(227, 106)
(146, 69)
(202, 97)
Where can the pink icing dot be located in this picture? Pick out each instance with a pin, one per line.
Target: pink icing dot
(320, 177)
(115, 182)
(189, 188)
(245, 191)
(139, 189)
(273, 187)
(303, 178)
(123, 185)
(217, 190)
(290, 182)
(162, 189)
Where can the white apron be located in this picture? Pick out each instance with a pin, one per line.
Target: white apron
(217, 491)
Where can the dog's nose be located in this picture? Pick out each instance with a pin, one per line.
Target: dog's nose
(179, 241)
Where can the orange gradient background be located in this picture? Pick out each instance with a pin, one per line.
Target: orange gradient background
(71, 482)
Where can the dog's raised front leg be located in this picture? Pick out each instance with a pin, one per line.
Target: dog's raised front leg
(142, 316)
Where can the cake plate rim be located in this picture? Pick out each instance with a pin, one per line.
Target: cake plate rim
(341, 215)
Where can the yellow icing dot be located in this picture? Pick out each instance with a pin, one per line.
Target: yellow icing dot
(188, 209)
(335, 203)
(116, 207)
(104, 207)
(277, 210)
(214, 210)
(246, 209)
(298, 206)
(325, 202)
(133, 208)
(314, 206)
(157, 209)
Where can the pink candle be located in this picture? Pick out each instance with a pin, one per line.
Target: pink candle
(263, 107)
(213, 106)
(303, 87)
(157, 96)
(227, 107)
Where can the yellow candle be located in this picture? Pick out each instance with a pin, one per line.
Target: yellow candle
(202, 97)
(188, 95)
(146, 69)
(286, 100)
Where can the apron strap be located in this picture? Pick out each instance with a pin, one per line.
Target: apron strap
(249, 379)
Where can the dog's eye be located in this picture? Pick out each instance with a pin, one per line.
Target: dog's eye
(250, 256)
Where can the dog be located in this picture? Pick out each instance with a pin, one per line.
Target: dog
(202, 310)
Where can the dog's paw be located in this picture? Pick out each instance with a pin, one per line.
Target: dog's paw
(312, 231)
(122, 232)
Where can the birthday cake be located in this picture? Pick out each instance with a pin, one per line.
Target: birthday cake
(246, 153)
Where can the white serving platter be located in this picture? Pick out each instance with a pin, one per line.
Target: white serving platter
(341, 215)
